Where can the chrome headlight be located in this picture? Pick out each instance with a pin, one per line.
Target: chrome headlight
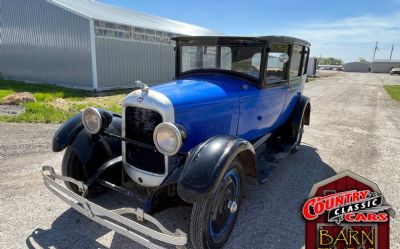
(96, 120)
(168, 138)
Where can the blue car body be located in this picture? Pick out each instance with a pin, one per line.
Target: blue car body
(254, 95)
(210, 105)
(235, 109)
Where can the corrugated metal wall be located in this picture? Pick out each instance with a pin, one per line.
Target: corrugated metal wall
(361, 67)
(1, 42)
(121, 62)
(42, 42)
(383, 67)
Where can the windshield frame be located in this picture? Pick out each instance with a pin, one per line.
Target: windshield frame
(230, 41)
(257, 81)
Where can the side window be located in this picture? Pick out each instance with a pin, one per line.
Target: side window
(306, 54)
(296, 61)
(276, 65)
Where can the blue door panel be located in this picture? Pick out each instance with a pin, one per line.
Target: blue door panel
(260, 112)
(273, 102)
(293, 93)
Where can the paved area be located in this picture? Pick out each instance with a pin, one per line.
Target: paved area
(354, 125)
(11, 109)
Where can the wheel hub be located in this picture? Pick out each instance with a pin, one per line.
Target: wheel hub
(232, 206)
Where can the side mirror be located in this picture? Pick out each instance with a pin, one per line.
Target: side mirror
(283, 58)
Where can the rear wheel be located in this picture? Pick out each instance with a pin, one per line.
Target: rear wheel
(213, 220)
(74, 168)
(299, 137)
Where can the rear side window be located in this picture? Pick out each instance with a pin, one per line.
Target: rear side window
(295, 61)
(276, 67)
(305, 59)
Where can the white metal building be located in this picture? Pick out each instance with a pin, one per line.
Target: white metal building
(361, 67)
(384, 66)
(87, 44)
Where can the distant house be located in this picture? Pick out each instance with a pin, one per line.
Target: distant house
(360, 67)
(384, 66)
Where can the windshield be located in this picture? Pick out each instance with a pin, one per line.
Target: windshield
(245, 60)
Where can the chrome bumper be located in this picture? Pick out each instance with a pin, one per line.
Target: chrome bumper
(113, 219)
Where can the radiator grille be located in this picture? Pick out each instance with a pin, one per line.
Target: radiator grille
(139, 126)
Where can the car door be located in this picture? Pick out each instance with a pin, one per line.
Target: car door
(260, 108)
(297, 76)
(273, 95)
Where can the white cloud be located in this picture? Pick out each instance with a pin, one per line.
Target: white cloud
(351, 38)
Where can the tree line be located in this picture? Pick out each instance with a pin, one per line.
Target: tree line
(329, 61)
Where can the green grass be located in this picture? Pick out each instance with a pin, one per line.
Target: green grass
(394, 91)
(56, 104)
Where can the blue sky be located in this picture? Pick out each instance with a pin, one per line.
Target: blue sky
(346, 29)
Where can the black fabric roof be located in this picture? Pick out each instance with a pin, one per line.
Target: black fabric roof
(220, 40)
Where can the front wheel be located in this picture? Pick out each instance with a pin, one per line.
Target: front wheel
(212, 220)
(72, 167)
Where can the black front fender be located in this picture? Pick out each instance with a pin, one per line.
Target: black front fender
(206, 164)
(67, 133)
(92, 150)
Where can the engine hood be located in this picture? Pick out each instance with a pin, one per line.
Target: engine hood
(206, 106)
(199, 91)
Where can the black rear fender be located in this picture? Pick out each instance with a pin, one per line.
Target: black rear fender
(206, 164)
(302, 111)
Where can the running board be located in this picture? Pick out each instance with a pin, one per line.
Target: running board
(270, 154)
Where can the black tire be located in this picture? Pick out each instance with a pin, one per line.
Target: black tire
(72, 167)
(300, 132)
(201, 222)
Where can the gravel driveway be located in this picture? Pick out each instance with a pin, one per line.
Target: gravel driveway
(354, 125)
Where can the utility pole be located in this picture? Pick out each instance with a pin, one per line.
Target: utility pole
(391, 52)
(376, 48)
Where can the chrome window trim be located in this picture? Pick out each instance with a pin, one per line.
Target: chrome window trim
(158, 102)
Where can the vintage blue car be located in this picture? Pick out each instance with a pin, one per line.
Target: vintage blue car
(234, 110)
